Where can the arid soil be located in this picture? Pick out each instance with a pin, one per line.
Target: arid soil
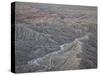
(51, 37)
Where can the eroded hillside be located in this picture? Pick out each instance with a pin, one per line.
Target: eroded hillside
(53, 37)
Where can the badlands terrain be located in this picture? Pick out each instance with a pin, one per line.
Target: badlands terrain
(51, 37)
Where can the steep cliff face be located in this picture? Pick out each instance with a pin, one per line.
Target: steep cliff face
(53, 37)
